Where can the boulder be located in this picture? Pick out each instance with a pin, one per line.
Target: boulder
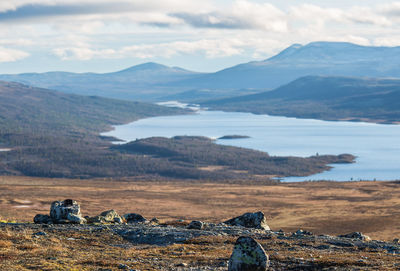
(110, 216)
(250, 220)
(42, 219)
(248, 255)
(134, 218)
(196, 225)
(76, 219)
(61, 211)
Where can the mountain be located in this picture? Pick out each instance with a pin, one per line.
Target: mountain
(317, 58)
(142, 82)
(324, 97)
(155, 82)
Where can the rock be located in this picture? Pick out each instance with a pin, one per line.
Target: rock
(110, 216)
(302, 232)
(155, 220)
(134, 218)
(248, 255)
(356, 235)
(196, 225)
(42, 219)
(40, 233)
(123, 266)
(60, 210)
(76, 219)
(250, 220)
(182, 265)
(118, 220)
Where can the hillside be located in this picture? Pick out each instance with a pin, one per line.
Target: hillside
(56, 134)
(193, 157)
(142, 82)
(328, 98)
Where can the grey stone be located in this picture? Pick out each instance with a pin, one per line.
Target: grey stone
(248, 255)
(118, 220)
(196, 225)
(250, 220)
(60, 210)
(42, 219)
(76, 219)
(40, 233)
(110, 216)
(134, 218)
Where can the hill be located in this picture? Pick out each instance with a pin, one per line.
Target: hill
(57, 134)
(155, 82)
(321, 97)
(142, 82)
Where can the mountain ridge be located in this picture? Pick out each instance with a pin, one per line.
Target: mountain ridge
(324, 97)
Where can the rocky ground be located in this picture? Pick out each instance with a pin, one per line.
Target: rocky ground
(172, 246)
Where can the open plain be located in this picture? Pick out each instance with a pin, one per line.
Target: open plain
(320, 207)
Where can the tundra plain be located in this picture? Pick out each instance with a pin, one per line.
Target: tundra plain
(331, 208)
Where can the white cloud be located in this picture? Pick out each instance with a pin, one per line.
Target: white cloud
(11, 55)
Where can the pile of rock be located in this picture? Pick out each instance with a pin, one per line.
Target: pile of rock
(69, 212)
(62, 212)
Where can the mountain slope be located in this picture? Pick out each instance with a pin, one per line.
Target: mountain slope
(321, 97)
(57, 135)
(318, 58)
(141, 82)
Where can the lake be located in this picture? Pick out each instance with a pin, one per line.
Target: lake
(376, 146)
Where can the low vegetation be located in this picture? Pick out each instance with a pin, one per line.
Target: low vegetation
(326, 98)
(190, 157)
(52, 134)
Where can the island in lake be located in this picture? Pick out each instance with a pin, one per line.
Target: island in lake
(234, 137)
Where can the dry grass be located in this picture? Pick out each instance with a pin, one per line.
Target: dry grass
(321, 207)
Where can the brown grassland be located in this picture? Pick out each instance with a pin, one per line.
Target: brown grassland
(321, 207)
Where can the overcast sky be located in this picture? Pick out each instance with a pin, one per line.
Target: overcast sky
(206, 35)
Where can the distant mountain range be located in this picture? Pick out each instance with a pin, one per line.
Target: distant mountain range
(155, 82)
(324, 97)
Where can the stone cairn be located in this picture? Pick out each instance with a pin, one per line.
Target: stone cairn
(69, 212)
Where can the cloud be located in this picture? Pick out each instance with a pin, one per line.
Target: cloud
(210, 48)
(319, 16)
(242, 15)
(25, 10)
(11, 55)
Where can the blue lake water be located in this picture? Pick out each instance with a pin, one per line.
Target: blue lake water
(376, 146)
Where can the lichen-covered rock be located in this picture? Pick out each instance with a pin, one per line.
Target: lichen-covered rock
(134, 218)
(248, 255)
(250, 220)
(76, 219)
(42, 219)
(110, 216)
(60, 210)
(196, 225)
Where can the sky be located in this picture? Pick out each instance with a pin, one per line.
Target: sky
(207, 35)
